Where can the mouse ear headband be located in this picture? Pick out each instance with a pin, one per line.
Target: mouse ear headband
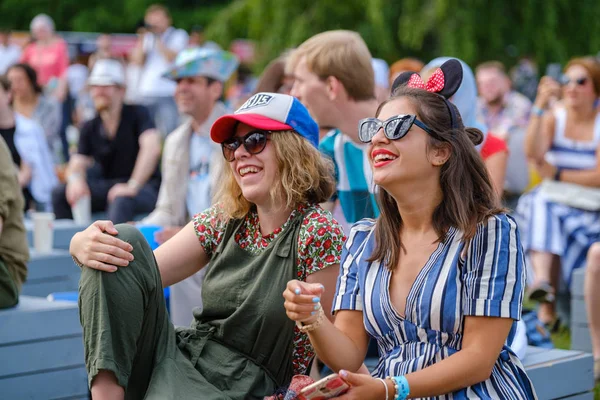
(444, 81)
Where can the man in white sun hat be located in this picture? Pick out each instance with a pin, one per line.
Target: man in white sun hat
(116, 164)
(191, 162)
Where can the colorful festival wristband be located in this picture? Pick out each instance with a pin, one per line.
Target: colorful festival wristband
(402, 389)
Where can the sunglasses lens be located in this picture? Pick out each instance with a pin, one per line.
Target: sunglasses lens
(397, 128)
(367, 130)
(229, 147)
(391, 129)
(255, 142)
(579, 81)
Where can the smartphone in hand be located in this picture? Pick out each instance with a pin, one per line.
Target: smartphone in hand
(327, 388)
(554, 71)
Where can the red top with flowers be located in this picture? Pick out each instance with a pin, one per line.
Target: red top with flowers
(320, 243)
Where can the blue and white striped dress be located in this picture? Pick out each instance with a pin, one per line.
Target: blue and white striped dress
(483, 278)
(558, 228)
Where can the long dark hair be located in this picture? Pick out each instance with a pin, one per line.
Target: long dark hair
(468, 194)
(30, 74)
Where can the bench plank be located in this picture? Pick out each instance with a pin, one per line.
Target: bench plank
(51, 272)
(64, 229)
(46, 287)
(577, 280)
(59, 384)
(56, 263)
(559, 373)
(581, 396)
(578, 311)
(44, 355)
(580, 338)
(38, 319)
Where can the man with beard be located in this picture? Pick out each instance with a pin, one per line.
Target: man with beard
(191, 161)
(118, 153)
(501, 108)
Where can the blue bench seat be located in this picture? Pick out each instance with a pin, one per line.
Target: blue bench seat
(51, 272)
(41, 349)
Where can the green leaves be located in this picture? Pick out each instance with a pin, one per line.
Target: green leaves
(474, 30)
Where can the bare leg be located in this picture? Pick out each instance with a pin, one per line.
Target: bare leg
(546, 268)
(592, 296)
(542, 266)
(105, 386)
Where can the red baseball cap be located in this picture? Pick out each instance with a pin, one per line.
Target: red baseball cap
(268, 111)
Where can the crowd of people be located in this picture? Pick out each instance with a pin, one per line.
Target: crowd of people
(413, 207)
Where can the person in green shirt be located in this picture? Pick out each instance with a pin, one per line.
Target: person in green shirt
(14, 252)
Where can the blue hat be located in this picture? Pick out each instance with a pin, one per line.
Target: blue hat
(211, 63)
(271, 112)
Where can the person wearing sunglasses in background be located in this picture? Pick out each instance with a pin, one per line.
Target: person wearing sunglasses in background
(560, 218)
(266, 229)
(191, 162)
(438, 278)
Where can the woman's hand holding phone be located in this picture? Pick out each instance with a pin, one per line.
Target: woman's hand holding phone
(547, 89)
(347, 386)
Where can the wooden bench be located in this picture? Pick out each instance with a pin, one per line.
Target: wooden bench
(64, 229)
(41, 349)
(580, 331)
(51, 272)
(560, 374)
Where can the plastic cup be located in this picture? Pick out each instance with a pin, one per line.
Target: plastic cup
(149, 231)
(82, 211)
(43, 232)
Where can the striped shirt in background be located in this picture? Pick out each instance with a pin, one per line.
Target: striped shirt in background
(554, 227)
(485, 277)
(354, 178)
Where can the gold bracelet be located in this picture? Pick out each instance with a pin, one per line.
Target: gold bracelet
(311, 327)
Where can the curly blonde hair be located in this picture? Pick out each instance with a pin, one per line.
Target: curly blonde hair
(304, 176)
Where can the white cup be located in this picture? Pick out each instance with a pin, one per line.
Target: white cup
(43, 232)
(82, 211)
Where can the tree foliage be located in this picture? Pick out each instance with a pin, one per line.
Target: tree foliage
(474, 30)
(110, 16)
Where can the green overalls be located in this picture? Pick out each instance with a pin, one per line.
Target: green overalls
(239, 347)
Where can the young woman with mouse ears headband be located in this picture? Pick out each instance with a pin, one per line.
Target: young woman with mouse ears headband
(438, 278)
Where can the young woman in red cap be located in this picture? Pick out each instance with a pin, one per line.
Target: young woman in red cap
(266, 229)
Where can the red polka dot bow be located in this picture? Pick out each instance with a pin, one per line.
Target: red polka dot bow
(434, 84)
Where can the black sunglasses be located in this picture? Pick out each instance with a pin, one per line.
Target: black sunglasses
(579, 81)
(254, 142)
(394, 128)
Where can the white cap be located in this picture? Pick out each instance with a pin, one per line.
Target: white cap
(107, 72)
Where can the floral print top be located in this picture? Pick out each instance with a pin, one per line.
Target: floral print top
(320, 242)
